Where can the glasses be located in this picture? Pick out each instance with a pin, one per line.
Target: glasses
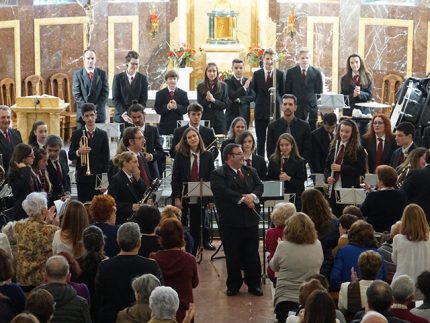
(377, 122)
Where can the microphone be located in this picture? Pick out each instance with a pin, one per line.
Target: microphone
(36, 101)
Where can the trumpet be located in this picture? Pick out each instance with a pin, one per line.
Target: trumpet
(85, 158)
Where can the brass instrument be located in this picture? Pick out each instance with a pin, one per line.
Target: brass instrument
(403, 173)
(85, 158)
(147, 195)
(212, 146)
(272, 90)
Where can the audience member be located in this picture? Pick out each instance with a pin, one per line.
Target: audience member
(25, 318)
(373, 317)
(297, 257)
(164, 303)
(148, 218)
(140, 311)
(354, 210)
(69, 307)
(178, 267)
(7, 288)
(6, 311)
(171, 211)
(112, 283)
(386, 251)
(41, 304)
(423, 286)
(320, 308)
(345, 222)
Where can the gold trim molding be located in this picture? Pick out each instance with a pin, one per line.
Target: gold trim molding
(112, 20)
(312, 21)
(388, 23)
(52, 22)
(14, 24)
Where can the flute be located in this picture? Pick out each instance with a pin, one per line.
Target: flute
(330, 189)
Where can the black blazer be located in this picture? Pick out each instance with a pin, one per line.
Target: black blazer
(395, 158)
(306, 90)
(154, 147)
(347, 87)
(237, 91)
(169, 118)
(227, 189)
(182, 169)
(262, 94)
(59, 185)
(125, 194)
(206, 133)
(259, 163)
(112, 169)
(99, 155)
(371, 147)
(350, 171)
(86, 91)
(214, 111)
(296, 169)
(320, 146)
(426, 138)
(6, 148)
(416, 188)
(300, 130)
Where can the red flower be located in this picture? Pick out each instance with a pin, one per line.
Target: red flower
(170, 54)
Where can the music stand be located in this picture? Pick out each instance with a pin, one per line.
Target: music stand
(319, 180)
(102, 181)
(371, 179)
(332, 101)
(198, 190)
(353, 196)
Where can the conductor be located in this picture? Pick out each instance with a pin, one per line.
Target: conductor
(237, 190)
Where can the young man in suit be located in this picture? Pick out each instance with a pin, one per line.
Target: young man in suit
(90, 85)
(321, 139)
(129, 86)
(153, 149)
(404, 139)
(195, 112)
(262, 83)
(171, 104)
(237, 190)
(9, 137)
(97, 152)
(58, 168)
(298, 128)
(305, 82)
(240, 94)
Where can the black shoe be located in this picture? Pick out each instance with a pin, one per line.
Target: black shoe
(232, 292)
(255, 291)
(209, 246)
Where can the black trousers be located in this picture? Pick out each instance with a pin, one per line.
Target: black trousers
(260, 131)
(86, 188)
(193, 219)
(283, 308)
(241, 251)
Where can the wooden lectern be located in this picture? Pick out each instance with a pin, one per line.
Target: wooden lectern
(29, 109)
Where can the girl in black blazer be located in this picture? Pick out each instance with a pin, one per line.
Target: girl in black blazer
(38, 134)
(247, 141)
(288, 166)
(192, 164)
(212, 95)
(238, 126)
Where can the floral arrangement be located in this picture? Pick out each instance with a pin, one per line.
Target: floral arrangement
(181, 56)
(254, 55)
(224, 75)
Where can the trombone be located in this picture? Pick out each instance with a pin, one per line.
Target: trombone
(85, 158)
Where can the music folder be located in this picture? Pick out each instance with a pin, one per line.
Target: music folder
(353, 196)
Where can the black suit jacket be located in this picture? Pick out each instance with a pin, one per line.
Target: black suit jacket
(426, 138)
(99, 154)
(59, 185)
(262, 94)
(206, 133)
(214, 111)
(371, 148)
(154, 147)
(169, 118)
(227, 189)
(112, 169)
(347, 87)
(305, 91)
(6, 148)
(259, 163)
(300, 130)
(237, 91)
(182, 169)
(123, 93)
(395, 158)
(320, 146)
(95, 91)
(416, 188)
(296, 169)
(125, 194)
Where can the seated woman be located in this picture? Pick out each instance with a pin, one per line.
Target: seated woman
(148, 218)
(345, 222)
(140, 311)
(171, 211)
(320, 308)
(164, 303)
(423, 285)
(178, 267)
(73, 223)
(103, 211)
(416, 159)
(281, 212)
(288, 166)
(38, 134)
(34, 239)
(41, 304)
(247, 141)
(237, 127)
(386, 251)
(361, 238)
(7, 288)
(297, 257)
(384, 207)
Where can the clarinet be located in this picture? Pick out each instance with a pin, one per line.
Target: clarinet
(330, 189)
(147, 195)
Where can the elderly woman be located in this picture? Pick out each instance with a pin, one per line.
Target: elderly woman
(164, 303)
(140, 311)
(34, 239)
(179, 268)
(297, 257)
(103, 210)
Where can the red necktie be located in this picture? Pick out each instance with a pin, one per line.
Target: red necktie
(303, 75)
(356, 80)
(402, 157)
(171, 94)
(6, 135)
(143, 173)
(248, 162)
(338, 160)
(194, 176)
(91, 76)
(240, 175)
(379, 152)
(90, 136)
(131, 80)
(284, 164)
(58, 169)
(269, 79)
